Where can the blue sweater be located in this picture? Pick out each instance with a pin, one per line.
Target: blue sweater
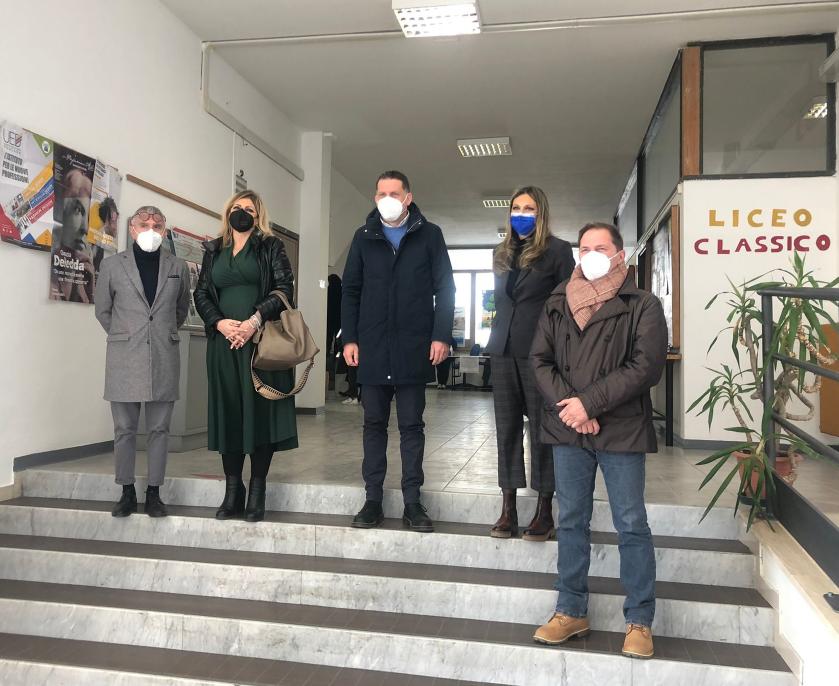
(395, 234)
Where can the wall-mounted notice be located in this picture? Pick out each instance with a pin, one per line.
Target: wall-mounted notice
(188, 246)
(26, 187)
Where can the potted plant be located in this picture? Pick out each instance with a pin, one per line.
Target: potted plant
(797, 335)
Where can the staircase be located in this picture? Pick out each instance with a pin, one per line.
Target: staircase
(301, 598)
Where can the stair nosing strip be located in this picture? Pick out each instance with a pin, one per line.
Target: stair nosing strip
(193, 658)
(697, 545)
(665, 590)
(28, 591)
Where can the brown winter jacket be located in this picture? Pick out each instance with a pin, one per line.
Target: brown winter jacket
(610, 366)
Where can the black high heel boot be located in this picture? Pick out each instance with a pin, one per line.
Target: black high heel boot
(542, 527)
(255, 509)
(233, 504)
(507, 525)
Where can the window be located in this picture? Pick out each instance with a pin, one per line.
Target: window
(473, 279)
(462, 307)
(663, 153)
(471, 259)
(764, 109)
(484, 306)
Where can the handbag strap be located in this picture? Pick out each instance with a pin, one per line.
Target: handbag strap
(272, 393)
(282, 296)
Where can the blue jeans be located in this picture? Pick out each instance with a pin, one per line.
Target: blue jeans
(575, 469)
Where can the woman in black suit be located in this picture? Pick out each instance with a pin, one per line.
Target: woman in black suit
(529, 263)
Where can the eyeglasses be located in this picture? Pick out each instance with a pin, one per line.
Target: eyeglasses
(143, 216)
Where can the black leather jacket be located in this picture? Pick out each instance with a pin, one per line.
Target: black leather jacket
(275, 274)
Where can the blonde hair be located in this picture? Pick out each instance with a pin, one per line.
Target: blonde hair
(535, 246)
(260, 222)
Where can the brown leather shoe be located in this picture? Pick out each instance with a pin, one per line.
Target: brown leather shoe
(542, 527)
(560, 628)
(638, 641)
(508, 523)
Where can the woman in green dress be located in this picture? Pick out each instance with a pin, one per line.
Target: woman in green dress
(233, 296)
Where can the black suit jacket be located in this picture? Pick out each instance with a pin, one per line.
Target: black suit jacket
(515, 319)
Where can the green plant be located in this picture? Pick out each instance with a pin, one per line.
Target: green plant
(797, 334)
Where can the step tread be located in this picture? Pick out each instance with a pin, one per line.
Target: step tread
(193, 665)
(502, 633)
(669, 590)
(603, 537)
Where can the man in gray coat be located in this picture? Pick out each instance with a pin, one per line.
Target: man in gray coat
(141, 300)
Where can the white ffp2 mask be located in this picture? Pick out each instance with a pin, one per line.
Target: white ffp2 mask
(149, 240)
(596, 265)
(390, 209)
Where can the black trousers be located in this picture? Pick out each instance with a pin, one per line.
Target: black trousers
(515, 394)
(410, 405)
(443, 370)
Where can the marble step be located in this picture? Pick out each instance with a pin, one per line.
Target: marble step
(687, 560)
(487, 652)
(469, 508)
(711, 613)
(63, 662)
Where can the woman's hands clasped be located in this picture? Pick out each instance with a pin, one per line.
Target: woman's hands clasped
(237, 333)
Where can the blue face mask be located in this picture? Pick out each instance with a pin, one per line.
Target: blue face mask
(523, 224)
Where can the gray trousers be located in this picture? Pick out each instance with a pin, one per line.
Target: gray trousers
(126, 418)
(515, 394)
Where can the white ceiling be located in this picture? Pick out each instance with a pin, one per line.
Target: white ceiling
(574, 102)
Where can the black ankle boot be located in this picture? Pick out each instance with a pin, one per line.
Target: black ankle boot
(233, 504)
(154, 505)
(127, 503)
(255, 509)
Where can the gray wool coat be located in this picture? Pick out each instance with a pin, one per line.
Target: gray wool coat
(143, 357)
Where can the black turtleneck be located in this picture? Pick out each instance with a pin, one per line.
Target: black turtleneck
(515, 270)
(148, 264)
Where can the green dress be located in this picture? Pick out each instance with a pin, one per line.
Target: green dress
(239, 418)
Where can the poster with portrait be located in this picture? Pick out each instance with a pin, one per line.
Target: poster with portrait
(72, 271)
(104, 204)
(102, 224)
(26, 187)
(661, 275)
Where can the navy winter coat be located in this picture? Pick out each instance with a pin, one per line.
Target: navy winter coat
(396, 302)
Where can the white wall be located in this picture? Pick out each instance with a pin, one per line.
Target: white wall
(316, 153)
(348, 210)
(118, 80)
(705, 275)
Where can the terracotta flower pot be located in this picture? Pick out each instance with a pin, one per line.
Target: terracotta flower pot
(785, 467)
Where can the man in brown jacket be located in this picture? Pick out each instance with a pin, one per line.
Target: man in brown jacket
(600, 346)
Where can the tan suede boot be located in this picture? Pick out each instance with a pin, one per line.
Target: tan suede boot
(560, 628)
(638, 641)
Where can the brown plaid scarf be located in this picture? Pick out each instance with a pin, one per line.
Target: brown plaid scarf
(586, 297)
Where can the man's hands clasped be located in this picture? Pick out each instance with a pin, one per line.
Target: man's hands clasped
(573, 414)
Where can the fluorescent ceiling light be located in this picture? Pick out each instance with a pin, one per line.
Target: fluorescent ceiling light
(496, 202)
(818, 110)
(484, 147)
(425, 18)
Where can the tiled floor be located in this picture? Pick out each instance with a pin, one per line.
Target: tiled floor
(461, 455)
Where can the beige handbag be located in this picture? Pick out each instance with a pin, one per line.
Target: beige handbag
(282, 344)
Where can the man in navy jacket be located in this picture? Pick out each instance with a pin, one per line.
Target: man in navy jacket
(397, 314)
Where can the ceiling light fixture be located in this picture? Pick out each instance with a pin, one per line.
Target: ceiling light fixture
(427, 18)
(484, 147)
(818, 110)
(496, 202)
